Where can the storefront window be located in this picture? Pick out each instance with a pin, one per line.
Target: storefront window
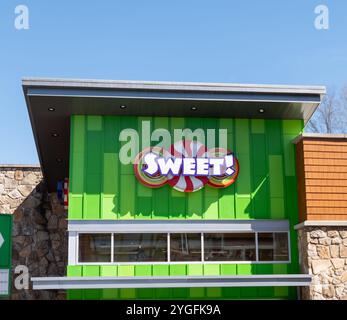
(185, 247)
(140, 247)
(94, 247)
(273, 246)
(229, 247)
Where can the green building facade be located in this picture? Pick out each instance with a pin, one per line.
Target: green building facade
(102, 188)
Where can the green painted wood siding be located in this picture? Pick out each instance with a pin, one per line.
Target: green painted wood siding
(103, 188)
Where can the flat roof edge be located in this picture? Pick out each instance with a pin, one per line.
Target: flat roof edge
(171, 85)
(19, 166)
(308, 135)
(321, 223)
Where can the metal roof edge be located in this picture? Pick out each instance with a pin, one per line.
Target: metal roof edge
(19, 166)
(321, 223)
(319, 136)
(171, 85)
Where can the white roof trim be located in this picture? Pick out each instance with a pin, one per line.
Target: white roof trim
(275, 280)
(319, 136)
(321, 223)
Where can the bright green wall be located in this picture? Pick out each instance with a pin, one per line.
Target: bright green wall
(103, 188)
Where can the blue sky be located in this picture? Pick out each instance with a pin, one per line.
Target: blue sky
(214, 41)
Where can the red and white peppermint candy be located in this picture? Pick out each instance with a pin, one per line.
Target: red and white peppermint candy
(187, 149)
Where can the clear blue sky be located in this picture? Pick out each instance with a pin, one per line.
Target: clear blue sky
(244, 41)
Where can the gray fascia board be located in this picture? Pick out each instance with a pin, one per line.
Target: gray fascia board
(167, 226)
(56, 283)
(169, 85)
(175, 95)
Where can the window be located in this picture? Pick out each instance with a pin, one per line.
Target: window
(273, 246)
(222, 247)
(185, 247)
(95, 247)
(229, 247)
(140, 247)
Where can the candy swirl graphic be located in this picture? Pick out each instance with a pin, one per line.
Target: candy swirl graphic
(154, 181)
(187, 149)
(224, 180)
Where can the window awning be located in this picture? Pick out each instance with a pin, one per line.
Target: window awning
(278, 280)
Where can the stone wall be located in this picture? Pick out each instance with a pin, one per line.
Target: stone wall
(323, 254)
(39, 227)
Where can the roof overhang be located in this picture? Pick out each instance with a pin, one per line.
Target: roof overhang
(276, 280)
(99, 97)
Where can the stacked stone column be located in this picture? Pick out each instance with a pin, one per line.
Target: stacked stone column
(323, 254)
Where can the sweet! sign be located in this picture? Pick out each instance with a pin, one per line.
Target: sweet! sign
(187, 166)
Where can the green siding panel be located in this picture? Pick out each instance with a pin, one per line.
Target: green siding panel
(289, 155)
(242, 136)
(258, 126)
(194, 210)
(91, 271)
(109, 271)
(94, 123)
(126, 270)
(127, 196)
(292, 127)
(74, 271)
(273, 130)
(211, 269)
(226, 203)
(276, 176)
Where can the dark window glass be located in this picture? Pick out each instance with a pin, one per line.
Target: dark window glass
(95, 248)
(229, 247)
(140, 247)
(273, 246)
(185, 247)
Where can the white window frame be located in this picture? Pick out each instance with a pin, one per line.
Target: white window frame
(74, 256)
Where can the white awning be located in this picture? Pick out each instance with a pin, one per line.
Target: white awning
(278, 280)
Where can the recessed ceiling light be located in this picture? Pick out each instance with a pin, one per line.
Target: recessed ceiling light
(55, 135)
(261, 110)
(194, 108)
(51, 109)
(123, 106)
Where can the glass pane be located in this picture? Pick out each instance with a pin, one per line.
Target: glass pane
(185, 247)
(140, 247)
(229, 246)
(95, 247)
(273, 246)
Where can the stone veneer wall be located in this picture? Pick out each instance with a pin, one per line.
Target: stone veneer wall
(323, 254)
(39, 227)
